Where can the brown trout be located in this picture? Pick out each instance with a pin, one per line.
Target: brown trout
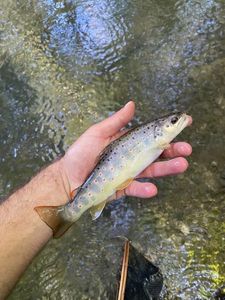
(118, 165)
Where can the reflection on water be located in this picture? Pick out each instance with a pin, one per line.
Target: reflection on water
(66, 64)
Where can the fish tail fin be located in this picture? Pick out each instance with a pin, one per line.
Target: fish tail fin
(54, 217)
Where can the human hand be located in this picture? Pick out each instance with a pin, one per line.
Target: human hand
(81, 157)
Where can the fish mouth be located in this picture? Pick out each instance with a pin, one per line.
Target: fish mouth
(184, 121)
(189, 120)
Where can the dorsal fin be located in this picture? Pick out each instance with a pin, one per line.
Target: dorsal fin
(106, 149)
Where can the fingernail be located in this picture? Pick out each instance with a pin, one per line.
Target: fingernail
(185, 150)
(182, 149)
(148, 189)
(176, 163)
(151, 189)
(129, 102)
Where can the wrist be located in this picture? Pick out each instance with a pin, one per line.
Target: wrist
(22, 231)
(57, 184)
(63, 179)
(48, 187)
(70, 177)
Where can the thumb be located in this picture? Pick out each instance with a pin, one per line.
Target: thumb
(114, 123)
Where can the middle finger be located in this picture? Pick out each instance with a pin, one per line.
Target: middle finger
(177, 149)
(164, 168)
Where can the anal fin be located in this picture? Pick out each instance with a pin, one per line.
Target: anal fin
(96, 211)
(164, 146)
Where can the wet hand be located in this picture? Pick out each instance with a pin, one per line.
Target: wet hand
(82, 156)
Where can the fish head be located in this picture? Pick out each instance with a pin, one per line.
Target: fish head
(167, 128)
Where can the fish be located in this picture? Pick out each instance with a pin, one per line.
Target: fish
(118, 165)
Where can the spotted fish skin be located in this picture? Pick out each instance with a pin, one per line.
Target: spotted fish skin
(122, 160)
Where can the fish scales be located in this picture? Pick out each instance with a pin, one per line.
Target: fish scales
(120, 162)
(113, 167)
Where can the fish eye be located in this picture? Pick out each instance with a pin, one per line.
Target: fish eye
(174, 120)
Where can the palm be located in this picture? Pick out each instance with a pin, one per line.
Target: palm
(82, 156)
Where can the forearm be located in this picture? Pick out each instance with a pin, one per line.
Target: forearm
(22, 232)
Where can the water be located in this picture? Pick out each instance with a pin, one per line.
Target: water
(66, 64)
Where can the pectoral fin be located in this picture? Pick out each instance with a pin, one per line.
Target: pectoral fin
(124, 184)
(74, 192)
(164, 146)
(96, 211)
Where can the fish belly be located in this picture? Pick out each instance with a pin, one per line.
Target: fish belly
(130, 171)
(132, 166)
